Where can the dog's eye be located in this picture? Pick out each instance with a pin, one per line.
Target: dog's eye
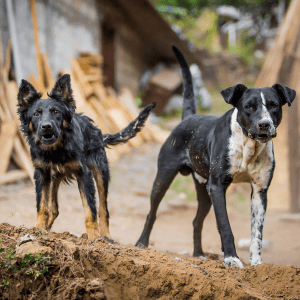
(274, 105)
(36, 114)
(56, 112)
(249, 106)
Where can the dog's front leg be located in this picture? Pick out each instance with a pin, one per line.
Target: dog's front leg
(42, 185)
(87, 192)
(258, 210)
(53, 201)
(216, 190)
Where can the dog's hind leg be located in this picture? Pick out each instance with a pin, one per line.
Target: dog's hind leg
(204, 205)
(53, 204)
(87, 192)
(164, 178)
(102, 186)
(42, 186)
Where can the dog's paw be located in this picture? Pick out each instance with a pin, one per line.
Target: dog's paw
(201, 257)
(233, 262)
(140, 245)
(255, 261)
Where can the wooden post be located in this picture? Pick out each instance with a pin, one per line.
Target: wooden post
(36, 42)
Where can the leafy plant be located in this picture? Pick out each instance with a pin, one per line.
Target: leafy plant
(31, 264)
(4, 282)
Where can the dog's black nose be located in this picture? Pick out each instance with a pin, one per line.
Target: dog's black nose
(263, 125)
(46, 126)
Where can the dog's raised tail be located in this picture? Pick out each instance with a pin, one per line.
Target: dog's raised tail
(131, 130)
(189, 105)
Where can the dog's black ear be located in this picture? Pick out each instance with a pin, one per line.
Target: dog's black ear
(286, 94)
(27, 94)
(62, 91)
(233, 94)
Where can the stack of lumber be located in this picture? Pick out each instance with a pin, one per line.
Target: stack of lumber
(12, 143)
(110, 112)
(283, 66)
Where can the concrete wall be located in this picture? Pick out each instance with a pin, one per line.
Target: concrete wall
(66, 27)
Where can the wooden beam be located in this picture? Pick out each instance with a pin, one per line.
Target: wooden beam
(13, 175)
(8, 58)
(7, 137)
(36, 42)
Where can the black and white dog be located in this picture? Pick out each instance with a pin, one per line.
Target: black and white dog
(236, 147)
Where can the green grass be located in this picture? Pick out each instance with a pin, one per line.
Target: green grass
(184, 184)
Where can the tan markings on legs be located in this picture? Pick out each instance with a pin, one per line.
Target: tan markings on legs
(103, 217)
(91, 223)
(43, 213)
(53, 204)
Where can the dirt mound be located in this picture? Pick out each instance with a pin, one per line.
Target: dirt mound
(62, 266)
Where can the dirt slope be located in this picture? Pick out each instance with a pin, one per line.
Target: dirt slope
(82, 269)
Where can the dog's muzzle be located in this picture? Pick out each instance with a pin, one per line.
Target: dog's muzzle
(263, 136)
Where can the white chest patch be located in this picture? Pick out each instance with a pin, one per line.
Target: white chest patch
(248, 159)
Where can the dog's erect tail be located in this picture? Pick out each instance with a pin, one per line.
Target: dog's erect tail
(131, 130)
(189, 105)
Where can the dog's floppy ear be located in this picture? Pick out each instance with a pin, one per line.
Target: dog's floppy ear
(233, 94)
(27, 94)
(286, 94)
(62, 91)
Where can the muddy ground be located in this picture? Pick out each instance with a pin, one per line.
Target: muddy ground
(128, 273)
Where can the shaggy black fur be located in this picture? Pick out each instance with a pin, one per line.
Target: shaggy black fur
(65, 145)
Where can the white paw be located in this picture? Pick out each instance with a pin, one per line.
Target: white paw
(201, 257)
(233, 262)
(255, 261)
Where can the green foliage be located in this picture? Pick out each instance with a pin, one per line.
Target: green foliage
(244, 48)
(172, 114)
(31, 264)
(204, 31)
(4, 283)
(138, 99)
(194, 7)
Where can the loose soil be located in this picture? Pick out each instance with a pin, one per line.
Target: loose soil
(83, 269)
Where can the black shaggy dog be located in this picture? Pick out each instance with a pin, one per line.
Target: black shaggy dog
(64, 146)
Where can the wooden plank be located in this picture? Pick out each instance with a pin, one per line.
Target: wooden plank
(7, 137)
(12, 90)
(38, 85)
(13, 175)
(7, 58)
(81, 78)
(36, 42)
(50, 81)
(25, 158)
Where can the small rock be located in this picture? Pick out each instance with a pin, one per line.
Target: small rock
(26, 238)
(96, 282)
(32, 248)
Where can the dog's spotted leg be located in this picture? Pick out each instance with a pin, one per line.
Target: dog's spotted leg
(103, 211)
(53, 204)
(258, 210)
(87, 192)
(42, 183)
